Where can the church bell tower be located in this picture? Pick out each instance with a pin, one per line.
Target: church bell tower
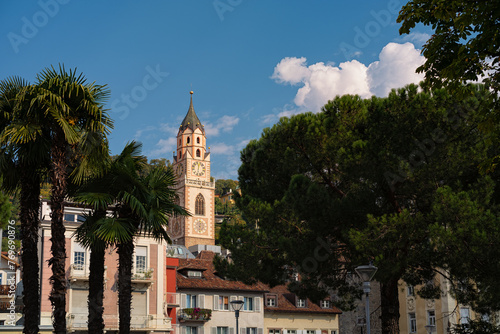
(191, 162)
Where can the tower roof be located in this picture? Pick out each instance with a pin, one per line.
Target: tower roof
(191, 120)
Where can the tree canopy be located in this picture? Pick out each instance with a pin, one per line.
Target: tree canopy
(465, 45)
(369, 180)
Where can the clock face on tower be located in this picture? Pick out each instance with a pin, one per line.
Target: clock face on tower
(200, 226)
(198, 168)
(180, 169)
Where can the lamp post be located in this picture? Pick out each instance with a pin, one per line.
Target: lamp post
(366, 274)
(237, 305)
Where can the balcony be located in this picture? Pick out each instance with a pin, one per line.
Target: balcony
(194, 314)
(6, 307)
(81, 273)
(78, 321)
(145, 276)
(172, 299)
(5, 291)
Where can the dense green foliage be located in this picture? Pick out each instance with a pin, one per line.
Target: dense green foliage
(223, 186)
(365, 180)
(466, 42)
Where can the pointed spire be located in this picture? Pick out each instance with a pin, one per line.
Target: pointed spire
(191, 120)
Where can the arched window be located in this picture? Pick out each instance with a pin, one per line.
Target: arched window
(199, 207)
(198, 140)
(198, 153)
(188, 140)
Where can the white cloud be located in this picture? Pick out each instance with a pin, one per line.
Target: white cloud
(396, 68)
(165, 146)
(225, 124)
(415, 37)
(222, 149)
(322, 82)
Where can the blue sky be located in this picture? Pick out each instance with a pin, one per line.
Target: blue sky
(248, 62)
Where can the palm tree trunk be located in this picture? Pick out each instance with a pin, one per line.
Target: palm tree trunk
(29, 208)
(58, 240)
(125, 254)
(96, 290)
(390, 306)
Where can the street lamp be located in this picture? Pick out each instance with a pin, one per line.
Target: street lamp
(430, 328)
(237, 305)
(366, 274)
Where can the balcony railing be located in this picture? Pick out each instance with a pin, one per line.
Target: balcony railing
(195, 314)
(200, 183)
(4, 290)
(111, 322)
(172, 299)
(143, 277)
(81, 272)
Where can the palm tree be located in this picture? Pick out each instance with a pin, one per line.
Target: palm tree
(76, 123)
(23, 160)
(143, 203)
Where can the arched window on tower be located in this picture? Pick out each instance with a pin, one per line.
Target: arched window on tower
(198, 153)
(197, 140)
(188, 140)
(199, 207)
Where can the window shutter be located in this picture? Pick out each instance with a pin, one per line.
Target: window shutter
(242, 330)
(318, 331)
(183, 300)
(285, 332)
(183, 330)
(231, 330)
(216, 302)
(257, 304)
(260, 331)
(201, 301)
(213, 330)
(200, 330)
(232, 298)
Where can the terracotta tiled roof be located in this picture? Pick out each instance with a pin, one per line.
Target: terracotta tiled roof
(285, 302)
(210, 280)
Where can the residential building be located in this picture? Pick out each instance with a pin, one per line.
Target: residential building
(194, 187)
(445, 312)
(205, 300)
(287, 313)
(148, 282)
(11, 290)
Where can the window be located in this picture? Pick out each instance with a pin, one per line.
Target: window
(2, 322)
(1, 278)
(191, 301)
(274, 331)
(222, 330)
(188, 139)
(197, 140)
(248, 304)
(271, 301)
(464, 315)
(251, 330)
(80, 218)
(291, 331)
(223, 303)
(431, 318)
(140, 259)
(325, 304)
(310, 331)
(69, 217)
(199, 207)
(334, 332)
(301, 302)
(412, 320)
(79, 260)
(198, 153)
(410, 290)
(191, 330)
(194, 273)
